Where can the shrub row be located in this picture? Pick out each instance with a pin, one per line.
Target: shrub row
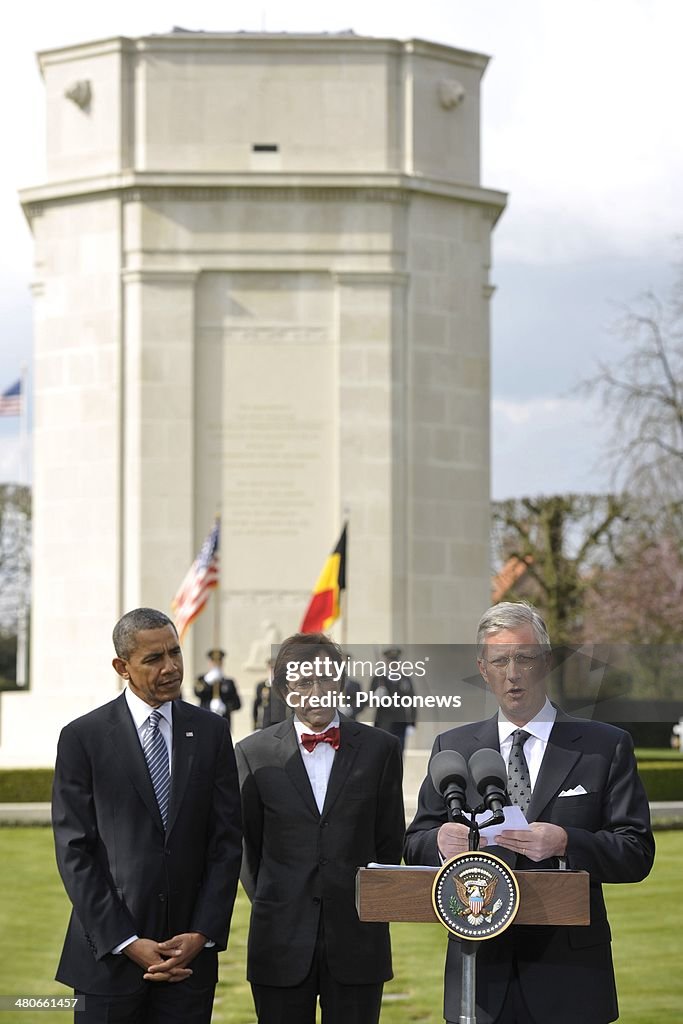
(25, 785)
(663, 780)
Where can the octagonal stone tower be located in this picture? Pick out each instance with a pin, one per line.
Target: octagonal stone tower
(262, 285)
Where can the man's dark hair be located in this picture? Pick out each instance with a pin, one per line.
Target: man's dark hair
(304, 647)
(129, 625)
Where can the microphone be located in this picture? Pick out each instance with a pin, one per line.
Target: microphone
(489, 774)
(448, 772)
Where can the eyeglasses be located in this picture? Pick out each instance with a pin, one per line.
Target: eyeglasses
(524, 662)
(306, 685)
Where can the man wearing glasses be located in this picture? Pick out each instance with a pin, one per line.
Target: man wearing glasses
(577, 783)
(321, 796)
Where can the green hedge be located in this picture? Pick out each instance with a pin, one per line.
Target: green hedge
(25, 785)
(658, 754)
(663, 780)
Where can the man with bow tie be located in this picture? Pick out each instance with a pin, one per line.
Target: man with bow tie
(577, 783)
(321, 797)
(146, 818)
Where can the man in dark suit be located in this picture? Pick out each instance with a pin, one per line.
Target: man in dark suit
(578, 784)
(321, 796)
(392, 683)
(261, 708)
(146, 819)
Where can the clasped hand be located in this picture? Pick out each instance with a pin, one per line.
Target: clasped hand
(168, 960)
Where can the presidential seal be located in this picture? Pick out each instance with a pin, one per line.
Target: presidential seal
(475, 895)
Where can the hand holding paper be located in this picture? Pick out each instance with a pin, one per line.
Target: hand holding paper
(514, 819)
(538, 841)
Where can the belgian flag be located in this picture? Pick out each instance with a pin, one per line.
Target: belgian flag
(323, 608)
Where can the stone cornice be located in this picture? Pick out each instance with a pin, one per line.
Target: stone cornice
(96, 48)
(371, 277)
(274, 193)
(158, 275)
(262, 42)
(201, 187)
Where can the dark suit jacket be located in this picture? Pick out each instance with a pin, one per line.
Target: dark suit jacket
(387, 717)
(299, 864)
(566, 973)
(123, 874)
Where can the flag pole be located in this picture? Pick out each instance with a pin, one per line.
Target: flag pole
(343, 597)
(216, 692)
(22, 616)
(217, 596)
(23, 428)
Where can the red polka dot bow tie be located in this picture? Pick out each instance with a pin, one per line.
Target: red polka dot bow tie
(310, 740)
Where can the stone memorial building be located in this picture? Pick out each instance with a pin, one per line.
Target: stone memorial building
(262, 286)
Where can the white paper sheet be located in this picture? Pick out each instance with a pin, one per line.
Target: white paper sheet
(401, 867)
(514, 818)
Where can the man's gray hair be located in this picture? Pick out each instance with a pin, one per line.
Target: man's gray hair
(129, 625)
(511, 615)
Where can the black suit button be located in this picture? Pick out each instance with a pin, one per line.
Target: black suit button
(162, 897)
(322, 861)
(316, 899)
(324, 824)
(167, 853)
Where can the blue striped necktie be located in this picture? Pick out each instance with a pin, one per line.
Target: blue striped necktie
(156, 754)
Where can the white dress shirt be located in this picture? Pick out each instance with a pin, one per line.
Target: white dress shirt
(140, 713)
(317, 762)
(539, 729)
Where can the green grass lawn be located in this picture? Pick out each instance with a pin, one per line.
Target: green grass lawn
(645, 924)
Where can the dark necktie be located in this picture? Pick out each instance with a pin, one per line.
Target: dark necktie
(519, 780)
(156, 754)
(310, 740)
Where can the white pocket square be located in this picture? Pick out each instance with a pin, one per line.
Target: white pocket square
(577, 791)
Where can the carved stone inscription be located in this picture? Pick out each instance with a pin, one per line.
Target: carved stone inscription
(265, 443)
(273, 455)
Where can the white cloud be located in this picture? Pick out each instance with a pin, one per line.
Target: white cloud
(581, 121)
(547, 446)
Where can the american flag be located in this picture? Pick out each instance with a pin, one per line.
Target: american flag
(10, 400)
(193, 592)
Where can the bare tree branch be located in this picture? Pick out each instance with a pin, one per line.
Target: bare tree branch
(643, 396)
(15, 538)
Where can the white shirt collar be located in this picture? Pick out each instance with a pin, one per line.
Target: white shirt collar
(141, 711)
(540, 725)
(301, 728)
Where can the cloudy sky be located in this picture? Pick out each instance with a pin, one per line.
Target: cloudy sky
(581, 125)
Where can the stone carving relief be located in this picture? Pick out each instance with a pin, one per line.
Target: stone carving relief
(451, 93)
(261, 648)
(80, 93)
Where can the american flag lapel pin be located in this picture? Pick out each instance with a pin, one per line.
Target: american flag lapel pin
(189, 734)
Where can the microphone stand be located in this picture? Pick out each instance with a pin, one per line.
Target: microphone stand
(468, 989)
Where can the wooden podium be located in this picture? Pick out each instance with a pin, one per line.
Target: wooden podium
(405, 894)
(546, 897)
